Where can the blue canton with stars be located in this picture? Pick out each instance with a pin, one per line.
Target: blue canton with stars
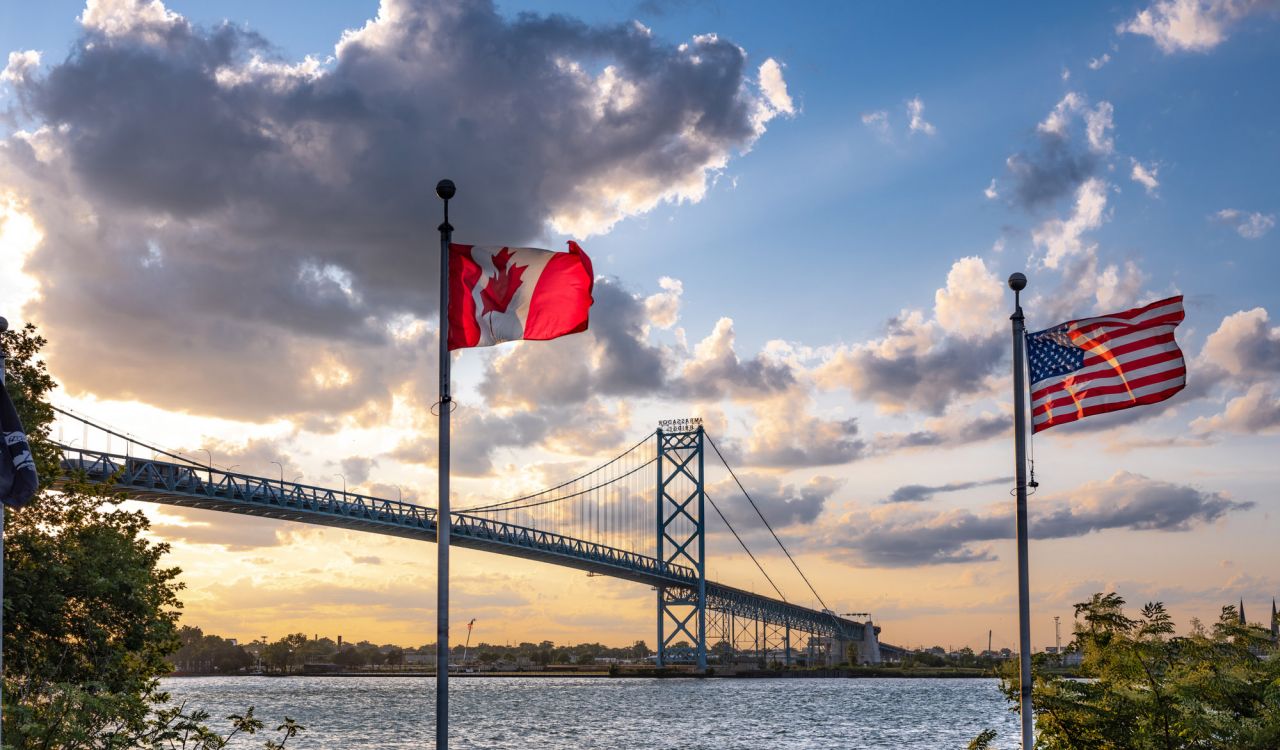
(1050, 353)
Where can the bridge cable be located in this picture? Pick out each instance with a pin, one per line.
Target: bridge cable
(766, 524)
(496, 509)
(129, 438)
(562, 485)
(744, 547)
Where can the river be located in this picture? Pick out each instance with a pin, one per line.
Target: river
(359, 713)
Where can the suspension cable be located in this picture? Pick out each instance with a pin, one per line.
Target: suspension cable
(497, 507)
(562, 485)
(744, 546)
(767, 526)
(128, 438)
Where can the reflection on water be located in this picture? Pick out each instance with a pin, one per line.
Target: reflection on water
(617, 714)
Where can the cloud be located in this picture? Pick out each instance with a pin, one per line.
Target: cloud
(920, 493)
(889, 537)
(21, 64)
(357, 468)
(1062, 238)
(969, 306)
(923, 364)
(781, 504)
(775, 88)
(1244, 346)
(1145, 176)
(1251, 226)
(663, 308)
(715, 369)
(1096, 63)
(878, 122)
(915, 110)
(785, 435)
(1055, 167)
(948, 430)
(1191, 25)
(991, 192)
(1256, 412)
(259, 217)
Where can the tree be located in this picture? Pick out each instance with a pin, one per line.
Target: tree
(90, 610)
(1151, 690)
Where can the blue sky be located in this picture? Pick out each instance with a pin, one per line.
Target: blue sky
(819, 235)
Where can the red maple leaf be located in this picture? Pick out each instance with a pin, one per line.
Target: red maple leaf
(502, 286)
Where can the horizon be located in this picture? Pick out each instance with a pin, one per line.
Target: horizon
(800, 222)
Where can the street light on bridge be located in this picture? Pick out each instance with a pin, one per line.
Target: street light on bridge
(344, 482)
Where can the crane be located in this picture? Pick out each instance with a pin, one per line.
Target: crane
(467, 645)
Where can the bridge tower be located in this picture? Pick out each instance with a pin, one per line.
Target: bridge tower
(681, 541)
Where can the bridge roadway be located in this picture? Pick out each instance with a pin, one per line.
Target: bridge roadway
(192, 486)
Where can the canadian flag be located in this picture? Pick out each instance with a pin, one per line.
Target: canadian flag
(499, 294)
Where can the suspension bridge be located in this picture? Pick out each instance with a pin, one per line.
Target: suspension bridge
(641, 517)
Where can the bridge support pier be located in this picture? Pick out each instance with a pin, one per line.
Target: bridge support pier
(681, 540)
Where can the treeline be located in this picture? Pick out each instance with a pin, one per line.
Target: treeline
(202, 653)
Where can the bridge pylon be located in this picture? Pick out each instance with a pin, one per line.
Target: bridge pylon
(681, 540)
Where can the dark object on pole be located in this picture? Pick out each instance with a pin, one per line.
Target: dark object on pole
(1018, 282)
(446, 190)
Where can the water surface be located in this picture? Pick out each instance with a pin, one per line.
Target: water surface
(616, 714)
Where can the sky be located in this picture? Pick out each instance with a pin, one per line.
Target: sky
(801, 217)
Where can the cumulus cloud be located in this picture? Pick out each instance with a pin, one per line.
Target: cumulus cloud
(920, 493)
(1250, 226)
(663, 308)
(716, 369)
(917, 124)
(969, 305)
(259, 219)
(785, 435)
(991, 192)
(1144, 175)
(1096, 63)
(948, 431)
(21, 64)
(1256, 412)
(1191, 25)
(1244, 346)
(924, 364)
(1062, 238)
(889, 537)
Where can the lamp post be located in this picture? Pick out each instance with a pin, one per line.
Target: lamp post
(344, 482)
(210, 464)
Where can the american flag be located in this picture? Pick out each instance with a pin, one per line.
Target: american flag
(1112, 362)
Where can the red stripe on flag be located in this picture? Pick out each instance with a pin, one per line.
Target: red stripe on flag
(1089, 411)
(562, 299)
(1076, 397)
(464, 274)
(1126, 317)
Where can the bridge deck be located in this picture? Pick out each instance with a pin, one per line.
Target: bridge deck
(191, 486)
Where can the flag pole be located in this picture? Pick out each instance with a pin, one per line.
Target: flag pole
(1018, 282)
(445, 190)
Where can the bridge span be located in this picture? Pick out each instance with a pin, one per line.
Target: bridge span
(671, 559)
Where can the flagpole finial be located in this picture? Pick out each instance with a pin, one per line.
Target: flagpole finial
(445, 189)
(1017, 281)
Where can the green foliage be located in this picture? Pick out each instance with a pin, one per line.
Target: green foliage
(983, 741)
(1217, 688)
(208, 654)
(90, 611)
